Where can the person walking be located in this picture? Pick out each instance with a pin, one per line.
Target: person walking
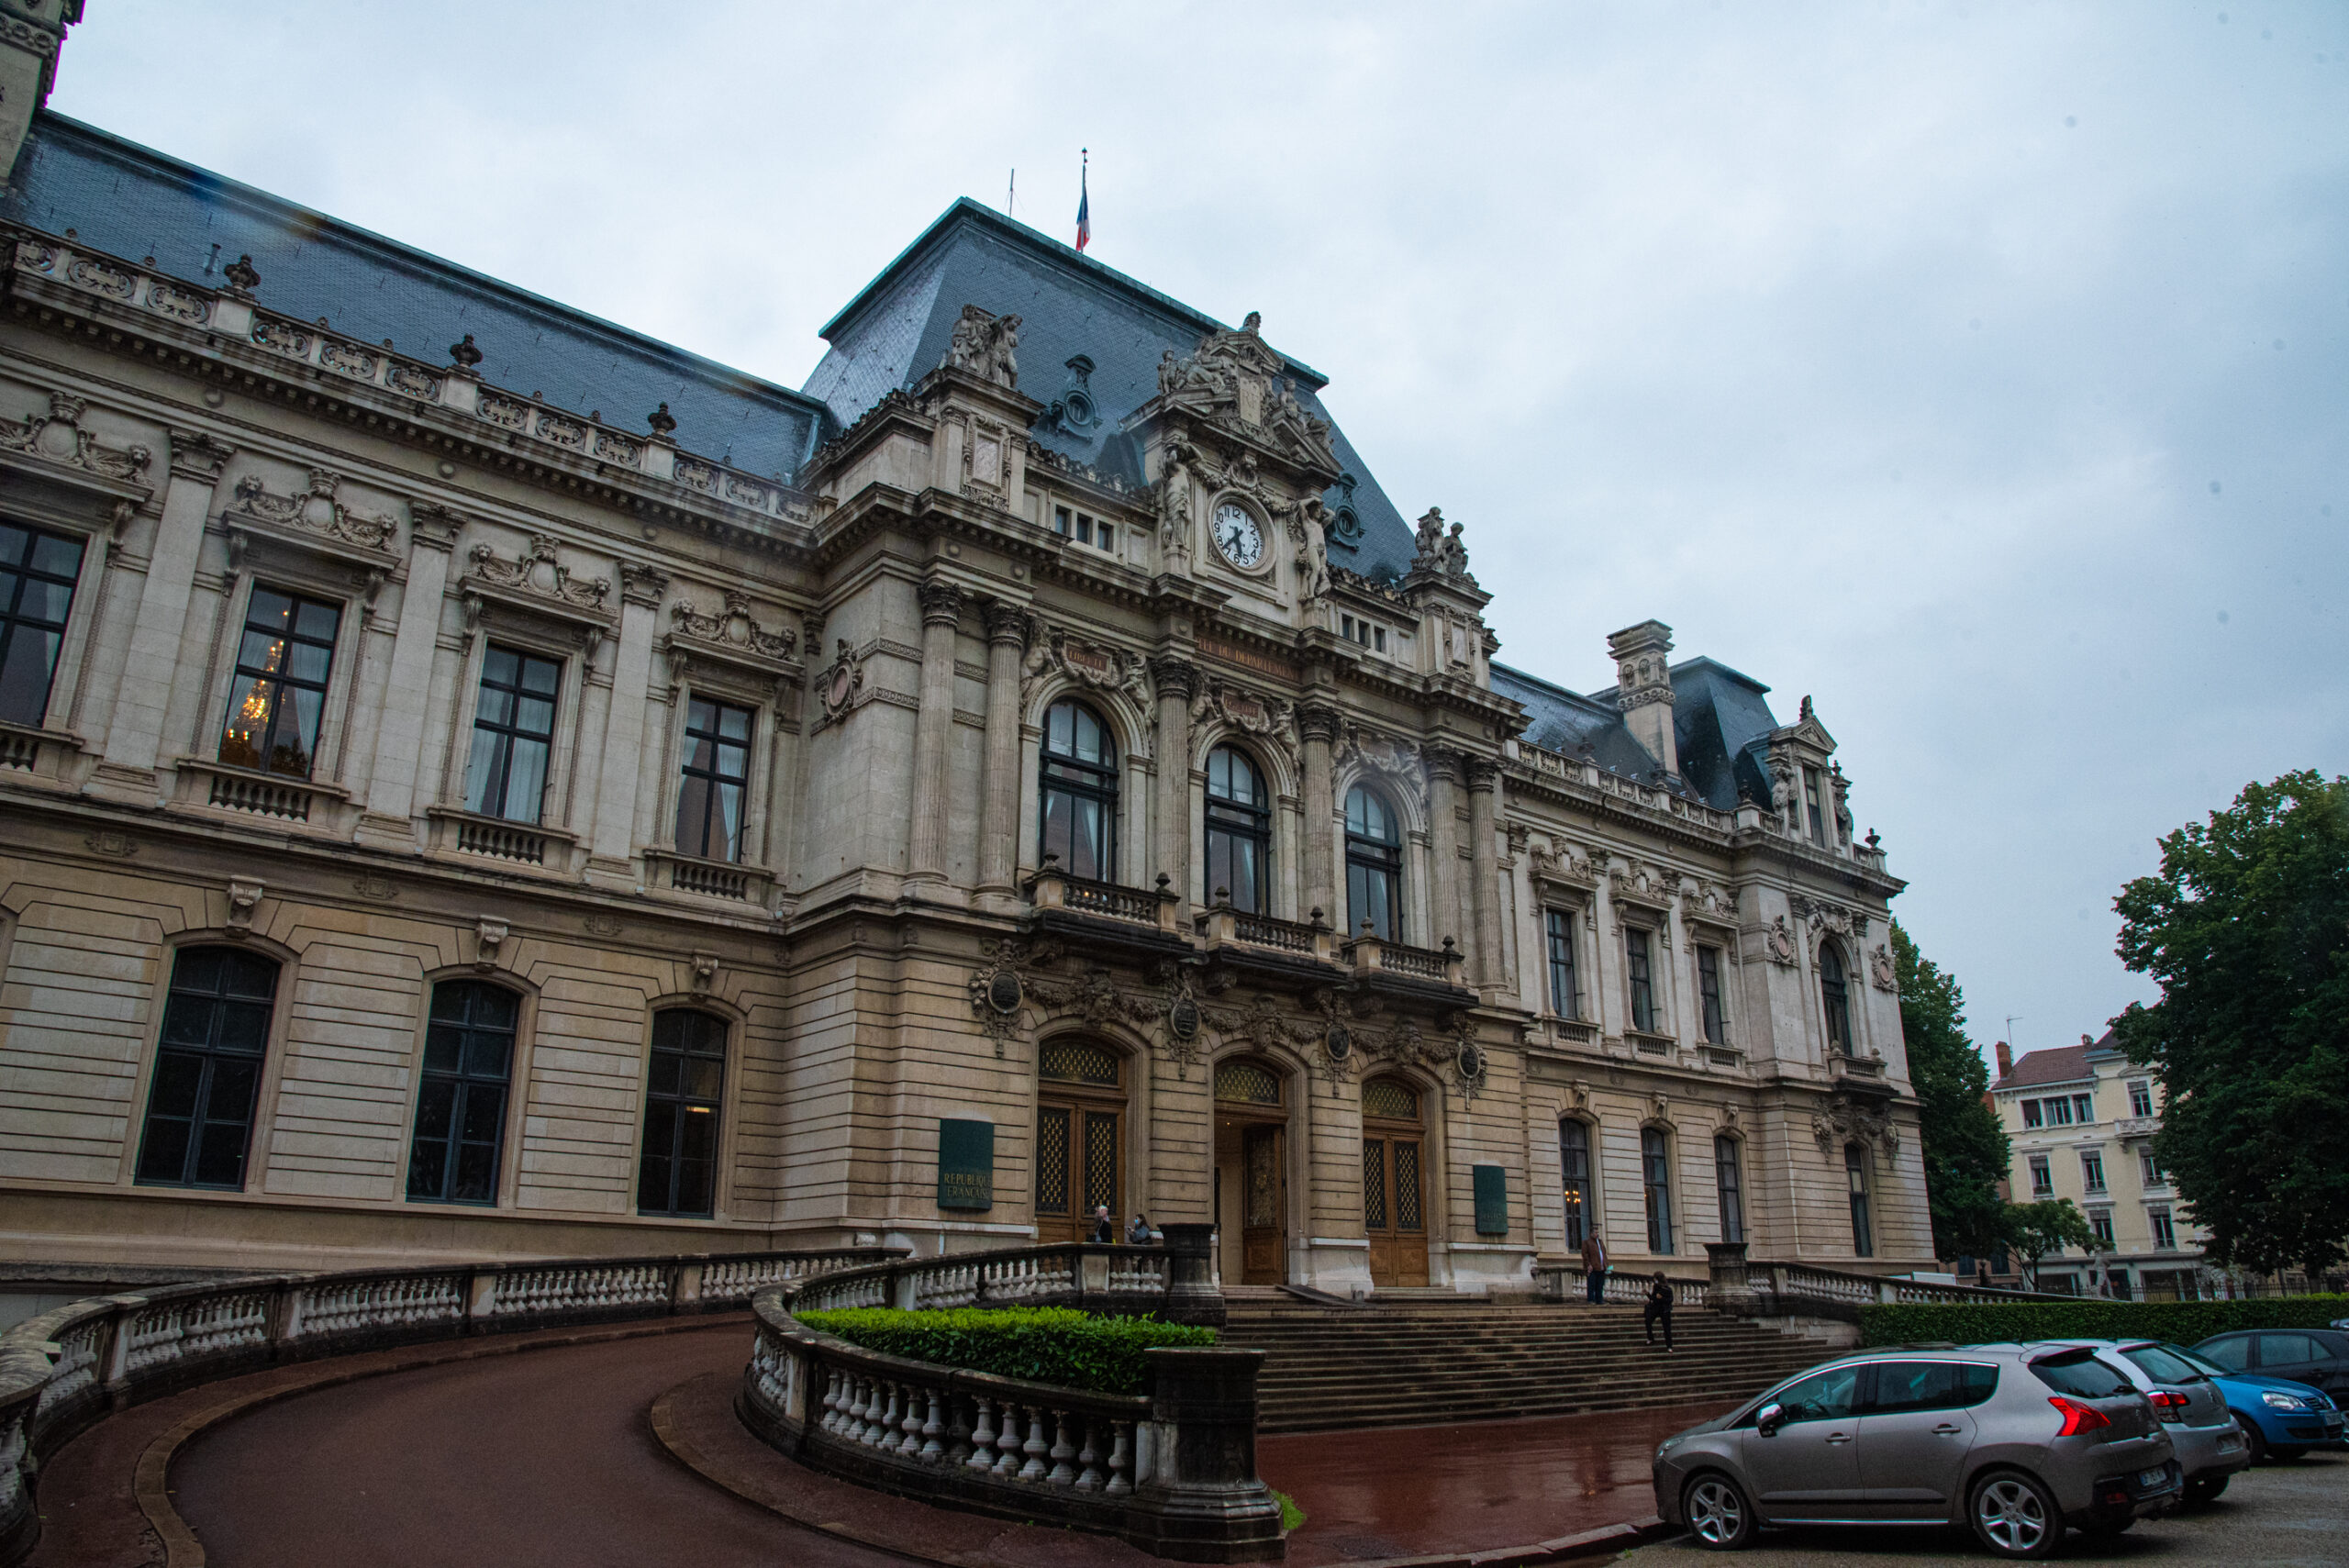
(1137, 1233)
(1593, 1267)
(1659, 1306)
(1104, 1228)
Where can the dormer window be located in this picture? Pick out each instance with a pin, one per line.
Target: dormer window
(1812, 813)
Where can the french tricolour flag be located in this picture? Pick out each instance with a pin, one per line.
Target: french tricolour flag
(1084, 213)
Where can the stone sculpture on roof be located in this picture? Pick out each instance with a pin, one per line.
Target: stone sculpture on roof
(988, 346)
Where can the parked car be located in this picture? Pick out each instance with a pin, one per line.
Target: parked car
(2318, 1357)
(2193, 1409)
(2280, 1419)
(2018, 1441)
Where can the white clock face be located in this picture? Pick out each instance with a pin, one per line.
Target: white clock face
(1238, 536)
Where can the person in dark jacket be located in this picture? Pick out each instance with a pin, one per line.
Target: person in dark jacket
(1104, 1228)
(1137, 1233)
(1593, 1267)
(1659, 1307)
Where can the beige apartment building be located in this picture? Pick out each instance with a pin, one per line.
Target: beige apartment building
(2081, 1120)
(477, 780)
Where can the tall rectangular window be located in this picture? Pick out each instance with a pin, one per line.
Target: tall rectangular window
(38, 571)
(2164, 1233)
(2059, 1111)
(2150, 1168)
(1655, 1176)
(513, 736)
(207, 1069)
(2100, 1227)
(1733, 1190)
(1855, 1175)
(1573, 1173)
(1643, 979)
(1812, 813)
(2084, 1109)
(2092, 1170)
(2031, 1115)
(280, 696)
(2043, 1177)
(1708, 995)
(461, 1104)
(716, 773)
(2141, 1098)
(684, 1098)
(1565, 987)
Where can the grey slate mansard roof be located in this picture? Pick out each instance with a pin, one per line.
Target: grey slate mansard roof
(1720, 726)
(897, 330)
(135, 202)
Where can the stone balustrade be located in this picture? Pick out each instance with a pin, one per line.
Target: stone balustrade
(1173, 1472)
(1759, 1289)
(66, 1368)
(1570, 1281)
(1175, 1281)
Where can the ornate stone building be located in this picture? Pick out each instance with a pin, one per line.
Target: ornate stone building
(553, 793)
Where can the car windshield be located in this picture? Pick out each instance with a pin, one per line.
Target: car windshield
(2079, 1374)
(2164, 1366)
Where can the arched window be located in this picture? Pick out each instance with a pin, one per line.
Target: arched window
(1079, 809)
(1240, 831)
(1855, 1171)
(460, 1103)
(1573, 1173)
(684, 1096)
(207, 1069)
(1656, 1176)
(1731, 1187)
(1374, 866)
(1834, 1000)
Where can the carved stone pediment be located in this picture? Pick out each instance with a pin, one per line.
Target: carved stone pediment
(732, 634)
(1236, 381)
(1269, 718)
(1631, 880)
(1827, 920)
(58, 437)
(536, 583)
(1397, 760)
(1095, 665)
(1564, 864)
(317, 519)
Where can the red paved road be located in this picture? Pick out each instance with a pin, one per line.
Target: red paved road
(544, 1458)
(1404, 1491)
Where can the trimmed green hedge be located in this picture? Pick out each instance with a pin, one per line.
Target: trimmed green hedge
(1058, 1345)
(2181, 1322)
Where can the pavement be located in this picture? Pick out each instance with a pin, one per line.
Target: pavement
(2289, 1514)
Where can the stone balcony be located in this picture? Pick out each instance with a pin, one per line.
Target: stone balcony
(2137, 1125)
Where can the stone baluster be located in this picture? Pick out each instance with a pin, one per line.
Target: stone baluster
(1484, 802)
(941, 614)
(917, 1410)
(1122, 1459)
(999, 785)
(983, 1454)
(1088, 1478)
(1006, 1444)
(1035, 1448)
(1319, 728)
(932, 1450)
(1064, 1473)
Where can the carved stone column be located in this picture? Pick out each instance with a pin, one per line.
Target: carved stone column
(623, 759)
(999, 788)
(1443, 851)
(1484, 800)
(1176, 679)
(1318, 729)
(134, 729)
(941, 614)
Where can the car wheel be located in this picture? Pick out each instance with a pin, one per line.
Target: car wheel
(2205, 1491)
(1717, 1513)
(2014, 1516)
(2254, 1441)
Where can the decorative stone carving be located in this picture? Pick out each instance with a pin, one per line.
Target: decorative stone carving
(243, 279)
(1565, 862)
(1843, 802)
(1399, 759)
(643, 585)
(1828, 919)
(196, 455)
(1779, 942)
(838, 686)
(731, 627)
(1632, 881)
(318, 512)
(705, 971)
(1881, 969)
(941, 604)
(244, 896)
(1099, 665)
(1308, 523)
(463, 355)
(489, 936)
(1235, 379)
(539, 573)
(1268, 718)
(985, 345)
(1642, 665)
(1438, 553)
(58, 437)
(1846, 1121)
(1175, 479)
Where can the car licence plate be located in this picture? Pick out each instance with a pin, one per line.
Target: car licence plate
(2151, 1478)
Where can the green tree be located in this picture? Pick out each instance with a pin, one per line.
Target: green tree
(1964, 1148)
(2246, 930)
(2035, 1229)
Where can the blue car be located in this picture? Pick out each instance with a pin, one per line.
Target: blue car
(2280, 1419)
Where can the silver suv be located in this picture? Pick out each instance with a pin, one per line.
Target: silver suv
(2019, 1442)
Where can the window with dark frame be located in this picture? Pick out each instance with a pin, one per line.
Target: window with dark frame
(1573, 1173)
(2141, 1098)
(715, 777)
(1731, 1186)
(1655, 1176)
(1856, 1174)
(2042, 1177)
(2031, 1116)
(2092, 1172)
(1640, 972)
(1834, 1001)
(513, 735)
(37, 572)
(2100, 1227)
(683, 1104)
(461, 1099)
(1374, 866)
(284, 657)
(207, 1069)
(1240, 831)
(2164, 1232)
(1812, 812)
(1565, 983)
(1708, 995)
(1078, 801)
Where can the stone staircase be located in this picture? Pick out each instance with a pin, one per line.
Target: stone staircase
(1414, 1362)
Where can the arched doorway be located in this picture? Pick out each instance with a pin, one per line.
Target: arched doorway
(1393, 1198)
(1252, 1171)
(1080, 1136)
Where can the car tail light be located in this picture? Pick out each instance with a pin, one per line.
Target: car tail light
(2078, 1418)
(2168, 1406)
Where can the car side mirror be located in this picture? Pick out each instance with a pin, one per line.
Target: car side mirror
(1769, 1418)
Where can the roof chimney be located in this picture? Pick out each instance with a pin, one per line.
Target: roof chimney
(1643, 688)
(2006, 1060)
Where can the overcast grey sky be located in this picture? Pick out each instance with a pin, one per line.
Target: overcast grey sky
(1978, 368)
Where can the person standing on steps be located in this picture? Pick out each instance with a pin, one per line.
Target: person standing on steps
(1104, 1228)
(1593, 1267)
(1659, 1306)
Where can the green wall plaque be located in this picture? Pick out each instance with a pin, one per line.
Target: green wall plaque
(965, 1163)
(1492, 1201)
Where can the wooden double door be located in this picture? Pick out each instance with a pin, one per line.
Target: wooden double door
(1077, 1143)
(1394, 1206)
